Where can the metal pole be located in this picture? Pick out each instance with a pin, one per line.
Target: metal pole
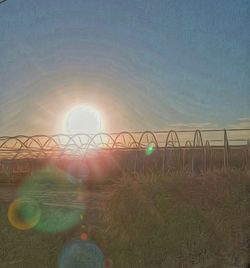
(226, 150)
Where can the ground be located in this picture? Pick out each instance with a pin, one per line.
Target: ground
(155, 220)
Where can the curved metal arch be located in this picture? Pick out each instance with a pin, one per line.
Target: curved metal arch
(172, 134)
(104, 144)
(124, 133)
(72, 137)
(30, 154)
(207, 147)
(99, 134)
(81, 134)
(198, 142)
(22, 146)
(198, 162)
(207, 144)
(33, 139)
(50, 139)
(26, 145)
(36, 139)
(174, 139)
(60, 145)
(146, 133)
(39, 141)
(130, 145)
(187, 155)
(79, 137)
(41, 137)
(122, 145)
(15, 139)
(188, 143)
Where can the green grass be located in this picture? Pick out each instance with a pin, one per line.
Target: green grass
(27, 248)
(178, 221)
(152, 221)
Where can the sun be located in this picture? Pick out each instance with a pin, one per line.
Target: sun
(83, 119)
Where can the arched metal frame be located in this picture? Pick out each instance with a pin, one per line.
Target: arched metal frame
(208, 155)
(79, 145)
(187, 151)
(150, 139)
(199, 147)
(172, 142)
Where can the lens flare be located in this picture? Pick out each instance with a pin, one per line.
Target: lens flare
(150, 149)
(24, 213)
(80, 254)
(77, 172)
(57, 199)
(84, 236)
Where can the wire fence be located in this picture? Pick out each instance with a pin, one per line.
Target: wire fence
(135, 151)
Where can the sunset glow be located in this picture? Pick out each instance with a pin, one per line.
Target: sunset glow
(83, 119)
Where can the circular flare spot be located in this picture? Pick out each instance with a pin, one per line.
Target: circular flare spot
(57, 199)
(84, 236)
(24, 213)
(80, 254)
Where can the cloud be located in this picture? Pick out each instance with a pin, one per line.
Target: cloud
(193, 126)
(240, 123)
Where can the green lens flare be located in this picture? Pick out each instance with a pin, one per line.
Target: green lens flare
(150, 149)
(57, 199)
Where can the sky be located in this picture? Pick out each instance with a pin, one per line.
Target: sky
(145, 65)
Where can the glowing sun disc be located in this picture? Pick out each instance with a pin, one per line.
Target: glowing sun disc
(83, 119)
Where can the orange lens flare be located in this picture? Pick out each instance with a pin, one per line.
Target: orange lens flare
(24, 213)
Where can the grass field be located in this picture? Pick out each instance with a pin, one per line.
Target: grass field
(150, 221)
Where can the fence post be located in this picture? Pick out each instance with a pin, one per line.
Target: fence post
(192, 165)
(248, 153)
(226, 150)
